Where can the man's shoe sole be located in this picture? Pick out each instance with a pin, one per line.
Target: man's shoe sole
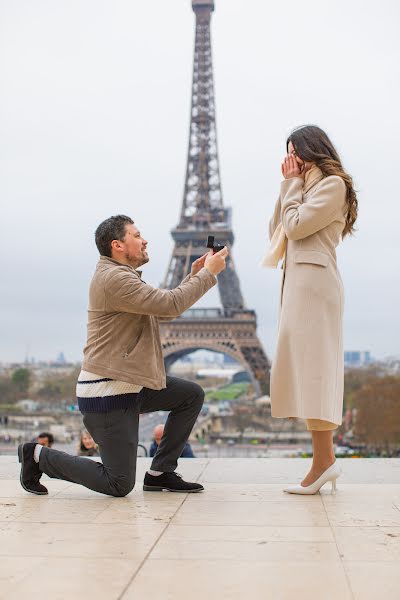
(157, 488)
(21, 460)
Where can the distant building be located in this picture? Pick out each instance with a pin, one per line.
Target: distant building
(228, 360)
(391, 365)
(241, 377)
(216, 373)
(357, 358)
(61, 359)
(28, 405)
(186, 358)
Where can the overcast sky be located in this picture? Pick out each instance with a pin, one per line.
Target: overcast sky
(94, 115)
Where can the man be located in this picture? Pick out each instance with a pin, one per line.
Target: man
(158, 432)
(123, 372)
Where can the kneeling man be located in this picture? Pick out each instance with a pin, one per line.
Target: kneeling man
(123, 372)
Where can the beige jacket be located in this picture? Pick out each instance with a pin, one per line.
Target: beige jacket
(307, 371)
(123, 339)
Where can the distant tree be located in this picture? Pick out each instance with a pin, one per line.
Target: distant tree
(58, 387)
(356, 378)
(7, 390)
(21, 379)
(50, 390)
(377, 421)
(242, 418)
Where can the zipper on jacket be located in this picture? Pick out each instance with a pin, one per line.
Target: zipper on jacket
(131, 347)
(129, 350)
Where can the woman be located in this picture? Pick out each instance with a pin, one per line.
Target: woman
(87, 445)
(316, 207)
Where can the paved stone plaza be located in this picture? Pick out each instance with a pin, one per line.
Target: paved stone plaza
(241, 538)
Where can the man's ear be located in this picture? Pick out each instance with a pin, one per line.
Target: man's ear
(116, 245)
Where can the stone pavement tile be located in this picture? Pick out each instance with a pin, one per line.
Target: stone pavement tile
(11, 488)
(54, 510)
(9, 467)
(249, 492)
(367, 493)
(75, 540)
(370, 470)
(12, 508)
(13, 570)
(186, 549)
(369, 543)
(372, 580)
(247, 533)
(283, 514)
(192, 468)
(142, 464)
(139, 505)
(68, 578)
(356, 513)
(261, 470)
(74, 491)
(396, 501)
(236, 580)
(292, 470)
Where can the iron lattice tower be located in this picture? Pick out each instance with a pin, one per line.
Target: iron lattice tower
(232, 329)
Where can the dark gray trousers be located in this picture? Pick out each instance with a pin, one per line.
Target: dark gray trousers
(116, 433)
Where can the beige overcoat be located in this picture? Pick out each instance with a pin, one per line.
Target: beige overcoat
(307, 372)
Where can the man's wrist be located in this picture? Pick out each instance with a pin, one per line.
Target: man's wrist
(210, 272)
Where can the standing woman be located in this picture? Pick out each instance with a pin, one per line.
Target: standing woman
(317, 206)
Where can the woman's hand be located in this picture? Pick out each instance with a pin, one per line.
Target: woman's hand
(290, 168)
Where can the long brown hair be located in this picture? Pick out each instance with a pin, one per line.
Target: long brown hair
(313, 145)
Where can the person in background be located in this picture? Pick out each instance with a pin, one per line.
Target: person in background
(45, 439)
(158, 432)
(87, 446)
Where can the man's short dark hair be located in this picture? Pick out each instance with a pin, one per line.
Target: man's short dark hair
(47, 435)
(109, 230)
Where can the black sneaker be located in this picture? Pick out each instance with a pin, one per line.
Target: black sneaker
(30, 472)
(171, 482)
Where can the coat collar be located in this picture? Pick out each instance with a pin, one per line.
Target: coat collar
(313, 176)
(107, 259)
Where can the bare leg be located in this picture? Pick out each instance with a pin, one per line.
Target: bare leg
(323, 455)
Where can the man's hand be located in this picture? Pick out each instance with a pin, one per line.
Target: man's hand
(198, 264)
(290, 168)
(215, 263)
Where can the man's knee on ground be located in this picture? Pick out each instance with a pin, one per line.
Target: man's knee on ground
(122, 488)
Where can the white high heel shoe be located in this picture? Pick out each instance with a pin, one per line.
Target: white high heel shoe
(331, 474)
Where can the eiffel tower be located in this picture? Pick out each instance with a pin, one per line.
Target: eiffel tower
(231, 329)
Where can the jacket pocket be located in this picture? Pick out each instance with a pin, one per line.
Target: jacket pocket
(132, 345)
(311, 256)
